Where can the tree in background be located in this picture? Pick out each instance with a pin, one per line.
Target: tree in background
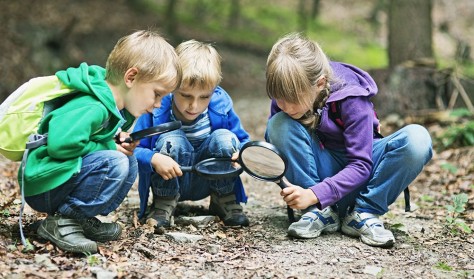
(410, 31)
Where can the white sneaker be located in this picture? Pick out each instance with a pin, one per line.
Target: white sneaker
(314, 222)
(369, 227)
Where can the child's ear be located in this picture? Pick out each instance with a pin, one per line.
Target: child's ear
(321, 83)
(130, 76)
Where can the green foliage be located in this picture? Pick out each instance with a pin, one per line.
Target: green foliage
(261, 23)
(458, 135)
(444, 266)
(453, 218)
(449, 167)
(427, 198)
(5, 213)
(29, 247)
(92, 260)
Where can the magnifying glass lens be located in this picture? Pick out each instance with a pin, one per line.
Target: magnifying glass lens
(263, 163)
(217, 167)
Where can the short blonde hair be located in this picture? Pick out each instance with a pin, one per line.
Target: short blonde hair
(294, 66)
(154, 57)
(201, 64)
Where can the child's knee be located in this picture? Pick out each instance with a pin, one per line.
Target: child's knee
(280, 127)
(420, 142)
(119, 165)
(173, 144)
(223, 140)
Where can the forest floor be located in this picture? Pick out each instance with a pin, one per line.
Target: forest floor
(427, 245)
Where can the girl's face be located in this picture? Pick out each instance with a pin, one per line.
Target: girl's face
(143, 97)
(189, 102)
(295, 111)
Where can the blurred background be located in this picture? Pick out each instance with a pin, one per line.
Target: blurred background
(419, 51)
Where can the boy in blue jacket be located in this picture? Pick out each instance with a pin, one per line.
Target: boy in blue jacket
(210, 128)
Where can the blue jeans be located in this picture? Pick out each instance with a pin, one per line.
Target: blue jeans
(397, 160)
(99, 188)
(221, 143)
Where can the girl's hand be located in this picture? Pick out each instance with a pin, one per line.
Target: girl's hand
(124, 147)
(165, 166)
(297, 197)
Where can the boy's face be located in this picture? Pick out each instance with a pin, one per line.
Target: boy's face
(190, 102)
(143, 97)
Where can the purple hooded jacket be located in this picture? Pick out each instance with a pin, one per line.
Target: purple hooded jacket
(353, 88)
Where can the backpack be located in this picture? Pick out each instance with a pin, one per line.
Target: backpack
(22, 112)
(20, 117)
(334, 113)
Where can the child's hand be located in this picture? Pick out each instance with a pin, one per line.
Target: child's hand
(165, 166)
(297, 197)
(124, 147)
(234, 158)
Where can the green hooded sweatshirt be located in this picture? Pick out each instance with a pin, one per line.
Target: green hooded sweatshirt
(86, 123)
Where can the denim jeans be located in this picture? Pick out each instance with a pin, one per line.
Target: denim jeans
(397, 160)
(99, 188)
(221, 143)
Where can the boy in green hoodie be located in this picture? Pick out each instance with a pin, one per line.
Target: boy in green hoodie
(83, 171)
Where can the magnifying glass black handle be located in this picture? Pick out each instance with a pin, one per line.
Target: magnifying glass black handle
(289, 210)
(282, 184)
(186, 168)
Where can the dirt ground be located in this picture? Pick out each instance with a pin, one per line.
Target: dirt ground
(426, 247)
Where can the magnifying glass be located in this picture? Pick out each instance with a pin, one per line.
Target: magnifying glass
(215, 168)
(259, 159)
(155, 130)
(263, 161)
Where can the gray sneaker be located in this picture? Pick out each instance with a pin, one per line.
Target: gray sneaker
(314, 222)
(95, 230)
(369, 228)
(67, 234)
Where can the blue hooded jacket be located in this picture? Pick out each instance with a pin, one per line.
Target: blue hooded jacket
(221, 116)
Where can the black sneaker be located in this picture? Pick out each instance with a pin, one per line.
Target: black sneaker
(161, 211)
(95, 230)
(228, 210)
(67, 234)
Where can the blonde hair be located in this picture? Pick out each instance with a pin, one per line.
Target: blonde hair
(201, 64)
(294, 67)
(148, 51)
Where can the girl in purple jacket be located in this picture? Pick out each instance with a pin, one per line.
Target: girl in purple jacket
(343, 175)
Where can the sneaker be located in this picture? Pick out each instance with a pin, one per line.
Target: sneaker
(67, 234)
(228, 210)
(95, 230)
(161, 211)
(369, 227)
(314, 222)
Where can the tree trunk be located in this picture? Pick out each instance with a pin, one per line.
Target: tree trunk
(234, 15)
(171, 17)
(410, 31)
